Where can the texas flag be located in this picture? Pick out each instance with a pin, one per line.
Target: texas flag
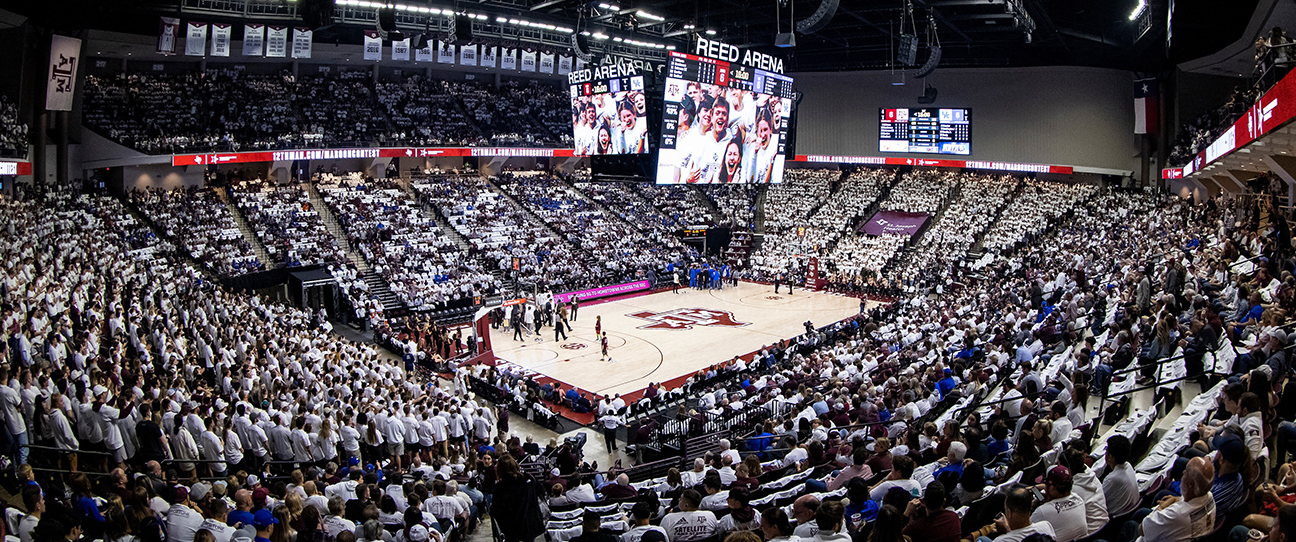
(1145, 106)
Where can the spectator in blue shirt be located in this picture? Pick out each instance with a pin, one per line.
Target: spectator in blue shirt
(947, 384)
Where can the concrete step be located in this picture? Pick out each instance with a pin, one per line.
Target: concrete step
(249, 234)
(378, 287)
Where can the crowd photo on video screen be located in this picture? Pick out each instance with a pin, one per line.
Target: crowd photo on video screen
(612, 123)
(725, 135)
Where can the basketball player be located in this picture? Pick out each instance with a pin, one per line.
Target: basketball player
(604, 340)
(598, 325)
(561, 321)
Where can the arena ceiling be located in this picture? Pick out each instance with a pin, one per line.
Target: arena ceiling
(862, 34)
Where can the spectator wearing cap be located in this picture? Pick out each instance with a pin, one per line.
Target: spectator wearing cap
(741, 517)
(183, 518)
(264, 522)
(216, 522)
(1229, 487)
(1016, 523)
(1268, 350)
(929, 520)
(591, 530)
(1061, 507)
(200, 494)
(642, 514)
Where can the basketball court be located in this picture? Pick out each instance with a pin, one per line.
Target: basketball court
(664, 336)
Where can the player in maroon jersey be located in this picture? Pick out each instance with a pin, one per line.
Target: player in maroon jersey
(605, 357)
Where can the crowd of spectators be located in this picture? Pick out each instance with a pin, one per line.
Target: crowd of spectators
(423, 112)
(632, 207)
(287, 223)
(504, 121)
(736, 202)
(338, 108)
(1194, 136)
(1032, 210)
(198, 221)
(853, 196)
(953, 234)
(921, 191)
(682, 204)
(13, 131)
(422, 265)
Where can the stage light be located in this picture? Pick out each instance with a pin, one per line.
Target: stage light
(1138, 10)
(649, 16)
(710, 32)
(690, 27)
(610, 7)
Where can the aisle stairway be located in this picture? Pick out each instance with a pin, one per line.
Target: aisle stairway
(377, 286)
(717, 217)
(249, 234)
(760, 209)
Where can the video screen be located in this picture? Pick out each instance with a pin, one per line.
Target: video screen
(722, 123)
(609, 111)
(922, 130)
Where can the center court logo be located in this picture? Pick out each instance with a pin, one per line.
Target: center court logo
(679, 319)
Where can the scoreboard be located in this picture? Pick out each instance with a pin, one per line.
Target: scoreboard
(924, 130)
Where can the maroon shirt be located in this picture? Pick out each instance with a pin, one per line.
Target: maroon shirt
(941, 526)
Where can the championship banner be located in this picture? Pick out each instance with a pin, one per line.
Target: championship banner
(445, 53)
(65, 52)
(253, 39)
(528, 61)
(508, 59)
(895, 223)
(277, 42)
(196, 39)
(488, 56)
(564, 65)
(424, 54)
(579, 65)
(302, 42)
(546, 63)
(372, 45)
(400, 49)
(168, 35)
(468, 55)
(220, 45)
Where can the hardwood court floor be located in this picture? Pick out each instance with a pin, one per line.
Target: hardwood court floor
(663, 336)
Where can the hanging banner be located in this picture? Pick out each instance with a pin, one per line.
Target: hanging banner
(579, 64)
(564, 65)
(277, 42)
(373, 45)
(468, 55)
(445, 53)
(424, 54)
(546, 63)
(488, 55)
(220, 39)
(168, 35)
(196, 39)
(65, 52)
(253, 39)
(302, 42)
(508, 59)
(400, 49)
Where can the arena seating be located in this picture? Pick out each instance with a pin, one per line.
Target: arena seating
(423, 112)
(736, 202)
(199, 222)
(13, 132)
(681, 203)
(425, 268)
(1031, 211)
(286, 223)
(621, 199)
(338, 109)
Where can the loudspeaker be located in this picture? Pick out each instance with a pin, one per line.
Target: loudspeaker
(929, 96)
(317, 13)
(819, 19)
(387, 19)
(907, 53)
(580, 47)
(462, 32)
(930, 66)
(785, 39)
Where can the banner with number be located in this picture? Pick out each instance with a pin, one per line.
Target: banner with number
(528, 61)
(445, 53)
(65, 53)
(220, 39)
(564, 65)
(277, 42)
(400, 49)
(508, 58)
(579, 64)
(196, 39)
(373, 45)
(488, 55)
(468, 55)
(302, 42)
(253, 39)
(168, 35)
(546, 63)
(424, 54)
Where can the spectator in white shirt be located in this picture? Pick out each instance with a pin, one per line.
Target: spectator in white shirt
(1120, 488)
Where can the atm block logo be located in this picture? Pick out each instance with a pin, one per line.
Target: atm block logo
(682, 319)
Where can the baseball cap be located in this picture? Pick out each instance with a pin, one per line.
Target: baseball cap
(259, 496)
(179, 493)
(418, 533)
(263, 519)
(253, 479)
(1232, 449)
(1056, 475)
(199, 491)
